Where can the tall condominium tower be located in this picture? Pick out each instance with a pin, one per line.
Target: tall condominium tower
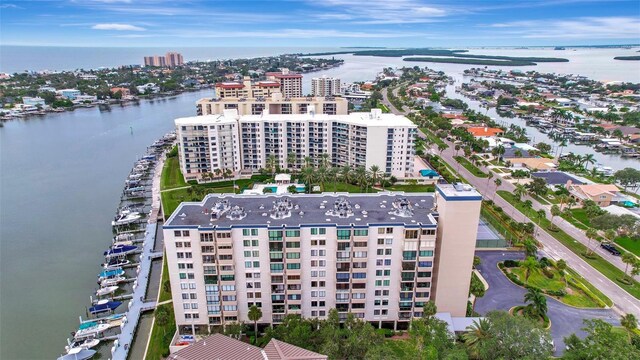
(379, 256)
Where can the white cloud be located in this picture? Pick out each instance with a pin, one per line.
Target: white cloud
(118, 27)
(378, 12)
(291, 34)
(9, 6)
(614, 27)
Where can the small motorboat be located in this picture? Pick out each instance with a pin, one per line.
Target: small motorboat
(123, 243)
(111, 281)
(91, 328)
(110, 274)
(115, 264)
(78, 354)
(106, 290)
(87, 343)
(136, 176)
(123, 237)
(126, 217)
(120, 250)
(104, 306)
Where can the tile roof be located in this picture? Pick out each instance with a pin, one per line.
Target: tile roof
(278, 350)
(597, 189)
(485, 131)
(218, 347)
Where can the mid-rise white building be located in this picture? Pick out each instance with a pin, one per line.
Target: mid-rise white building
(379, 256)
(325, 86)
(356, 139)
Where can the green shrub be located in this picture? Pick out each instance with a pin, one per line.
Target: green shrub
(558, 293)
(548, 273)
(511, 263)
(385, 332)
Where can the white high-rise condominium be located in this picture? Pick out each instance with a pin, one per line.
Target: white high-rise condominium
(379, 256)
(229, 142)
(325, 86)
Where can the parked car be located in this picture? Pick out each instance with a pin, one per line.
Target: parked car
(610, 248)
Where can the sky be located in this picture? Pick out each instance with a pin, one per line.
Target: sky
(318, 23)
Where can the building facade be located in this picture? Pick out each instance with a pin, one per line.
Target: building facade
(270, 103)
(356, 139)
(379, 256)
(290, 82)
(325, 86)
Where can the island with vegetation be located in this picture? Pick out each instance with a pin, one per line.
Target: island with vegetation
(627, 58)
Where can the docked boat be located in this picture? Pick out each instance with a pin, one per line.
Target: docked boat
(106, 290)
(134, 189)
(126, 217)
(109, 274)
(136, 176)
(87, 343)
(90, 329)
(112, 281)
(120, 250)
(78, 354)
(123, 243)
(115, 263)
(104, 306)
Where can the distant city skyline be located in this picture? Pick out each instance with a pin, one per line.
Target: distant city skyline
(135, 23)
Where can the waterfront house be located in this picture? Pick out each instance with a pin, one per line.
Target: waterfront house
(533, 164)
(483, 132)
(69, 94)
(601, 194)
(123, 90)
(33, 101)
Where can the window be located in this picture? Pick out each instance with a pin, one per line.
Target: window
(228, 298)
(359, 275)
(409, 255)
(389, 230)
(277, 267)
(344, 234)
(246, 243)
(185, 232)
(318, 231)
(227, 277)
(428, 231)
(293, 266)
(361, 232)
(425, 263)
(411, 234)
(206, 237)
(295, 255)
(293, 244)
(275, 235)
(177, 233)
(228, 288)
(292, 233)
(426, 253)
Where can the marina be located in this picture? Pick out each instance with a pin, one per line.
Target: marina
(114, 312)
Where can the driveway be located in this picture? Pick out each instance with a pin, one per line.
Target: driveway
(503, 295)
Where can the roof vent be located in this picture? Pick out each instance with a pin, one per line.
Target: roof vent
(219, 208)
(402, 207)
(341, 208)
(281, 209)
(236, 213)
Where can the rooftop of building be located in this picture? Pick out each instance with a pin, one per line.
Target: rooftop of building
(556, 177)
(484, 131)
(327, 209)
(373, 118)
(274, 98)
(221, 347)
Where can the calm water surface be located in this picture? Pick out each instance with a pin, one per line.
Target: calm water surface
(61, 177)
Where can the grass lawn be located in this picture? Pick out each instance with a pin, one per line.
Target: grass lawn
(580, 215)
(472, 168)
(434, 139)
(343, 187)
(161, 337)
(412, 188)
(164, 295)
(629, 244)
(600, 264)
(574, 297)
(383, 107)
(541, 200)
(398, 347)
(171, 176)
(171, 199)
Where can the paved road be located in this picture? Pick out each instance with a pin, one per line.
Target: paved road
(624, 302)
(503, 295)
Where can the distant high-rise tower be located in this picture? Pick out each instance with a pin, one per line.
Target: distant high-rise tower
(174, 59)
(325, 86)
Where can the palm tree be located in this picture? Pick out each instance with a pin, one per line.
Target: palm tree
(530, 248)
(563, 199)
(325, 159)
(628, 259)
(520, 191)
(322, 174)
(271, 164)
(457, 148)
(308, 174)
(529, 265)
(537, 302)
(441, 148)
(291, 161)
(528, 205)
(477, 333)
(561, 265)
(307, 161)
(555, 211)
(345, 173)
(162, 318)
(541, 214)
(591, 234)
(489, 179)
(332, 174)
(498, 183)
(254, 315)
(563, 144)
(361, 176)
(375, 173)
(588, 159)
(383, 179)
(630, 323)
